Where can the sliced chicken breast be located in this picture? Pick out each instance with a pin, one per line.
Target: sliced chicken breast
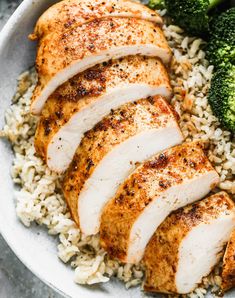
(62, 56)
(170, 180)
(77, 105)
(228, 271)
(65, 14)
(187, 245)
(108, 153)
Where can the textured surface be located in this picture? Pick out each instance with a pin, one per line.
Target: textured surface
(202, 228)
(85, 99)
(83, 11)
(158, 186)
(7, 7)
(16, 281)
(133, 121)
(61, 56)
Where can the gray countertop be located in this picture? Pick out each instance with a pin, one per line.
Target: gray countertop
(16, 281)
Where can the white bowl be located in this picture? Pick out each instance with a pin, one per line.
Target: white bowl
(36, 251)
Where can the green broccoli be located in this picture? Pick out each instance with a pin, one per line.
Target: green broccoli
(191, 15)
(222, 95)
(221, 47)
(157, 4)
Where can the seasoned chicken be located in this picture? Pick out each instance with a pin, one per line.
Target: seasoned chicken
(187, 245)
(108, 153)
(77, 105)
(69, 13)
(228, 271)
(170, 180)
(62, 56)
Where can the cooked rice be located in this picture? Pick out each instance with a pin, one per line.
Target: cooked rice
(39, 198)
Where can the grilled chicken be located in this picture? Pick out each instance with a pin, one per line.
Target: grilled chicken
(228, 271)
(170, 180)
(108, 153)
(62, 56)
(84, 100)
(187, 245)
(68, 13)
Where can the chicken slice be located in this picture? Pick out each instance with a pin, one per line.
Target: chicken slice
(65, 14)
(187, 245)
(77, 105)
(228, 271)
(62, 56)
(108, 153)
(170, 180)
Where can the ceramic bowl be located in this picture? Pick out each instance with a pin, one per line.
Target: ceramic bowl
(33, 246)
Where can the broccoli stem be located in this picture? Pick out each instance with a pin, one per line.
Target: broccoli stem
(214, 3)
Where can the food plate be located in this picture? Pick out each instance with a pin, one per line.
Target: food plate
(33, 246)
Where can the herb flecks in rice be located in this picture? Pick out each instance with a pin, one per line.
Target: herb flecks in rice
(190, 80)
(40, 198)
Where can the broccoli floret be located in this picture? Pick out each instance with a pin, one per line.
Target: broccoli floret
(220, 53)
(157, 4)
(222, 95)
(221, 47)
(191, 15)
